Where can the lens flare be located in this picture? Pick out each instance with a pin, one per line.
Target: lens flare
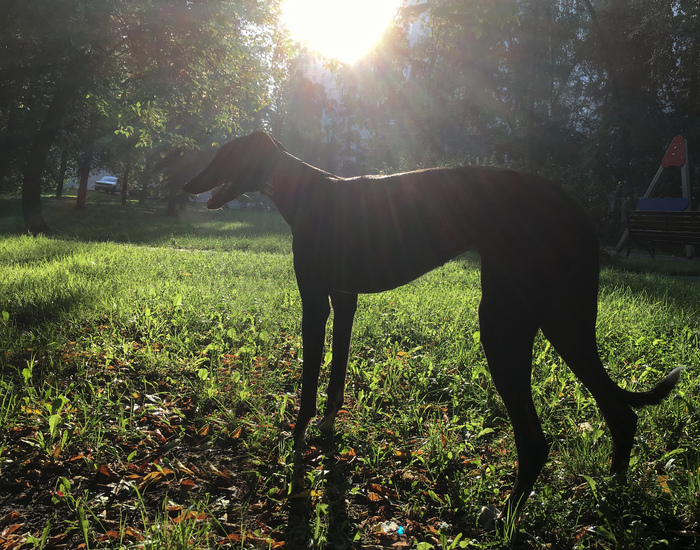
(344, 30)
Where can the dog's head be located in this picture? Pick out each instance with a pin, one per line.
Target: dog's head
(241, 166)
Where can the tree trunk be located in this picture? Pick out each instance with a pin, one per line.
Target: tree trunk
(36, 159)
(172, 202)
(127, 171)
(86, 162)
(7, 145)
(176, 175)
(179, 168)
(531, 44)
(62, 173)
(618, 106)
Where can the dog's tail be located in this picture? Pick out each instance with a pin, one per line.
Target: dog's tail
(656, 394)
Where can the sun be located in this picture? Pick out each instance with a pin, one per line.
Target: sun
(340, 29)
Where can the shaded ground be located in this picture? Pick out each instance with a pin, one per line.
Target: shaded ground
(179, 466)
(252, 496)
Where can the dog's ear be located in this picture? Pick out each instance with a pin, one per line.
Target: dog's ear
(279, 145)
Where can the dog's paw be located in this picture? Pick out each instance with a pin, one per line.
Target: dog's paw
(325, 425)
(488, 517)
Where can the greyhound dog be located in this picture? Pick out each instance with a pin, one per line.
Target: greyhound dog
(539, 256)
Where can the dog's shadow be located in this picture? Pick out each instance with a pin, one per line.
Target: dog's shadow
(317, 509)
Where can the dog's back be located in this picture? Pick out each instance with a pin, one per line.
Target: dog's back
(374, 233)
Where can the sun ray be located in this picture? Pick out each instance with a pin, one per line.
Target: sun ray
(339, 29)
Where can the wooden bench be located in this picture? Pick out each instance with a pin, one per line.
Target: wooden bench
(649, 227)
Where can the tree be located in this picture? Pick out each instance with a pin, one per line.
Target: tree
(31, 187)
(161, 71)
(588, 92)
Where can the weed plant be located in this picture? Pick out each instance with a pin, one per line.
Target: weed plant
(150, 378)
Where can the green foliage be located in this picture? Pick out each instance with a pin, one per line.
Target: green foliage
(160, 76)
(583, 92)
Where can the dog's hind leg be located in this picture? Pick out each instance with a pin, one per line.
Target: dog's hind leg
(315, 311)
(573, 336)
(507, 336)
(344, 307)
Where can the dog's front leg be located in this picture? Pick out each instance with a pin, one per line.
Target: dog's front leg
(315, 311)
(344, 307)
(507, 336)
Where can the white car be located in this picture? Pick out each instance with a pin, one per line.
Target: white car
(108, 184)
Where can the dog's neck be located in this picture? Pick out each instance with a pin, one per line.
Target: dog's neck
(269, 187)
(285, 176)
(269, 179)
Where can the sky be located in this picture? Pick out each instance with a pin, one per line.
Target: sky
(344, 30)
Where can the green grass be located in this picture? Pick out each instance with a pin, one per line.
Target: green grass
(105, 219)
(150, 374)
